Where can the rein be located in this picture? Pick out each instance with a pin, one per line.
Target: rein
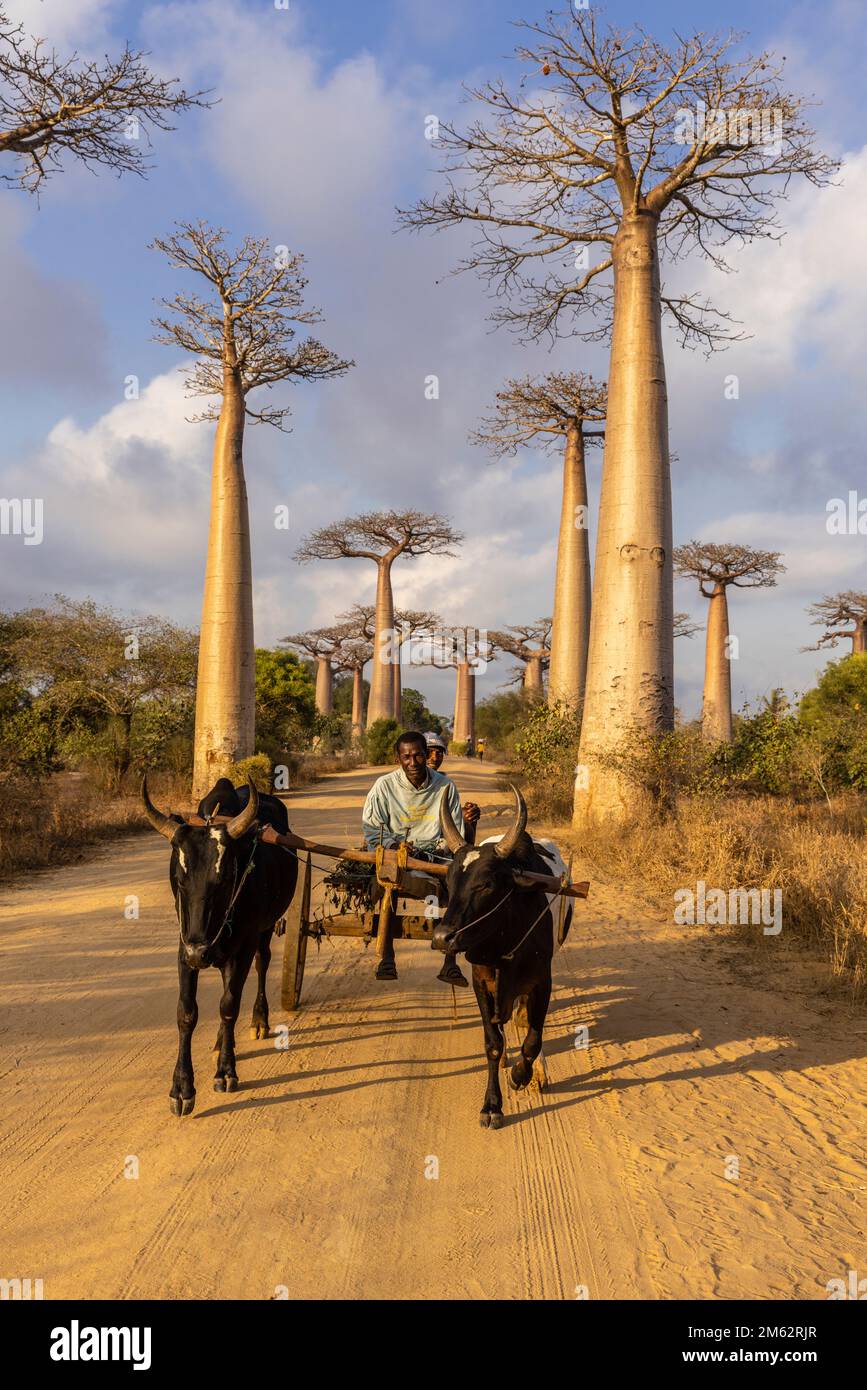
(509, 955)
(227, 920)
(238, 884)
(476, 920)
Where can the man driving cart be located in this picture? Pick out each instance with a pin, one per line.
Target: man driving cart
(404, 805)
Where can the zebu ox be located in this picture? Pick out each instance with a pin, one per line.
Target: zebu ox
(230, 888)
(503, 924)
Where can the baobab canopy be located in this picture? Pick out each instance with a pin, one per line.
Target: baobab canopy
(579, 184)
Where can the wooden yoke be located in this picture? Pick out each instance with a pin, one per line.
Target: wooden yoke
(391, 863)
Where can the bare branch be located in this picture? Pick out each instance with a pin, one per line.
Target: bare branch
(100, 113)
(244, 333)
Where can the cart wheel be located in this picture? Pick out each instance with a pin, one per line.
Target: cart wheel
(295, 943)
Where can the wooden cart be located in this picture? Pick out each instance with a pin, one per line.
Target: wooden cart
(398, 914)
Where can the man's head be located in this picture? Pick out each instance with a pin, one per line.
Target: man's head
(436, 750)
(411, 750)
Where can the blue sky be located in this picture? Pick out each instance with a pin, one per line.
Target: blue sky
(318, 134)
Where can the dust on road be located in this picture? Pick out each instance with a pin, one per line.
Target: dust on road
(707, 1142)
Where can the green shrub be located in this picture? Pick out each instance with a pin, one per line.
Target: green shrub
(379, 741)
(546, 749)
(457, 750)
(256, 769)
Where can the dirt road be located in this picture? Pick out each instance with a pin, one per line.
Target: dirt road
(707, 1142)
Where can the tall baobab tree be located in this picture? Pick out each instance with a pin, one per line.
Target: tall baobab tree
(832, 612)
(632, 150)
(98, 112)
(242, 338)
(531, 643)
(381, 537)
(359, 624)
(555, 410)
(717, 568)
(410, 623)
(463, 649)
(327, 647)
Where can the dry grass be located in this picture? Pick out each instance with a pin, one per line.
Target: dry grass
(816, 855)
(56, 822)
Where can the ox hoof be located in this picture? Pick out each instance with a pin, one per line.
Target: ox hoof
(490, 1120)
(386, 970)
(259, 1030)
(231, 1083)
(180, 1106)
(517, 1079)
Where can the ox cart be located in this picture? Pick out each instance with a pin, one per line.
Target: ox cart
(400, 898)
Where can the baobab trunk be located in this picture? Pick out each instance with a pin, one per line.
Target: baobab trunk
(859, 638)
(570, 630)
(465, 704)
(533, 679)
(716, 710)
(324, 685)
(630, 671)
(357, 703)
(225, 688)
(380, 703)
(396, 693)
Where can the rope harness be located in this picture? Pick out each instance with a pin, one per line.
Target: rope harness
(509, 955)
(237, 885)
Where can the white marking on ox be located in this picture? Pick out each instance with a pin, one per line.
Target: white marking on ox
(470, 859)
(221, 850)
(183, 861)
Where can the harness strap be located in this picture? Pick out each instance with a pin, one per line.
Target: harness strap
(227, 920)
(510, 954)
(476, 920)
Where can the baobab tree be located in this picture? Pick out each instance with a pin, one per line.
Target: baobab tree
(381, 537)
(326, 647)
(410, 623)
(242, 338)
(554, 410)
(632, 150)
(684, 626)
(464, 649)
(98, 112)
(359, 624)
(531, 643)
(717, 568)
(832, 612)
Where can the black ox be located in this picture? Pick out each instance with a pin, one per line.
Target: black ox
(230, 888)
(502, 923)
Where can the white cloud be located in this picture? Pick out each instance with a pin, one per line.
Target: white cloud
(62, 21)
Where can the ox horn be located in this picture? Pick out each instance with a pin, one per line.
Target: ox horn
(240, 824)
(452, 836)
(165, 825)
(503, 848)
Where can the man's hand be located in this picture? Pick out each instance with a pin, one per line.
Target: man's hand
(268, 835)
(471, 812)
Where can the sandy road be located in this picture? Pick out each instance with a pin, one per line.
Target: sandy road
(708, 1142)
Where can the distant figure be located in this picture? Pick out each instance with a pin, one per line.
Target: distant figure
(471, 748)
(481, 750)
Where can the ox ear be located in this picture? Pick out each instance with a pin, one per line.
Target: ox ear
(522, 881)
